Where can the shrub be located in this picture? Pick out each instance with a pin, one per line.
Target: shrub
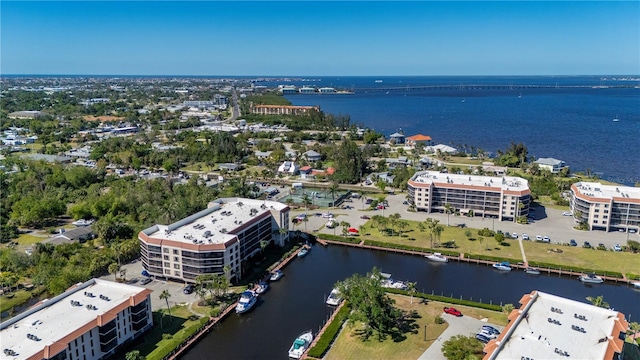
(439, 320)
(409, 247)
(347, 239)
(330, 333)
(449, 300)
(486, 232)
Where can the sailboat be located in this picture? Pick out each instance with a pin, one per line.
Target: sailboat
(615, 119)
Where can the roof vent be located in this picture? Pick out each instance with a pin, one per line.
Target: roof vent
(33, 337)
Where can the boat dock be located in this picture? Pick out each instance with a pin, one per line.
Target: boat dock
(462, 258)
(213, 321)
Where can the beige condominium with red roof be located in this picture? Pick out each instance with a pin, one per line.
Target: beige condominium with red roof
(552, 327)
(505, 198)
(228, 232)
(88, 321)
(606, 207)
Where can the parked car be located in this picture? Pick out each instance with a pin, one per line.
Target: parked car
(405, 202)
(586, 245)
(538, 237)
(617, 247)
(525, 237)
(567, 213)
(514, 235)
(452, 311)
(632, 231)
(573, 243)
(490, 329)
(145, 281)
(488, 334)
(189, 289)
(482, 338)
(546, 239)
(365, 217)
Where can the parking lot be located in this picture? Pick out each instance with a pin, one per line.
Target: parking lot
(545, 222)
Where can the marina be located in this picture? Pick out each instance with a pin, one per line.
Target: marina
(305, 288)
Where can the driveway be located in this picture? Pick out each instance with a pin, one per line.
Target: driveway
(133, 275)
(464, 325)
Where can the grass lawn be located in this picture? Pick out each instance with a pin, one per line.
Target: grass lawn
(348, 345)
(194, 167)
(27, 240)
(623, 262)
(15, 298)
(464, 160)
(157, 343)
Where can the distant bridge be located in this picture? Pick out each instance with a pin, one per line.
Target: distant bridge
(463, 87)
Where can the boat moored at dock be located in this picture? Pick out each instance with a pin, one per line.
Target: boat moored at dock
(503, 266)
(334, 298)
(532, 271)
(300, 344)
(591, 278)
(247, 300)
(437, 257)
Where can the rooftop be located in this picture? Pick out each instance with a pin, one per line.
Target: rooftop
(497, 182)
(598, 190)
(549, 161)
(53, 319)
(217, 223)
(551, 326)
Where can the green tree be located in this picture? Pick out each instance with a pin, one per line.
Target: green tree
(448, 209)
(165, 295)
(370, 305)
(381, 184)
(598, 301)
(134, 355)
(411, 289)
(113, 269)
(460, 347)
(507, 308)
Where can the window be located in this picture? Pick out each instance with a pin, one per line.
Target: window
(175, 251)
(165, 250)
(605, 217)
(167, 271)
(176, 273)
(166, 257)
(595, 216)
(167, 264)
(176, 266)
(606, 211)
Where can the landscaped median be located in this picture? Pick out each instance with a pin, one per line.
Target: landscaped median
(329, 333)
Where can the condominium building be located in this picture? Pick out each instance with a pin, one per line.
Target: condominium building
(283, 109)
(552, 327)
(606, 207)
(213, 241)
(504, 198)
(88, 321)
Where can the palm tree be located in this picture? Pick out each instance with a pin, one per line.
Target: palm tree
(306, 202)
(283, 231)
(333, 188)
(598, 301)
(305, 220)
(113, 269)
(165, 295)
(411, 289)
(448, 209)
(345, 227)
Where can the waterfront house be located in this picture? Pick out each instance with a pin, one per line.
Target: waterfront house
(396, 138)
(289, 168)
(418, 139)
(550, 164)
(445, 149)
(313, 155)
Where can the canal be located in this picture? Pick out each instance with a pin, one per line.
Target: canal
(296, 302)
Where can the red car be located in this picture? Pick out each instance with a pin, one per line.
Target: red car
(452, 311)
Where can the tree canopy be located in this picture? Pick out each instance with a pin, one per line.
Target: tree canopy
(460, 347)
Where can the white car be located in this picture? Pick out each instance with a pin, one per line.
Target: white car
(546, 239)
(514, 235)
(525, 237)
(617, 247)
(538, 237)
(567, 213)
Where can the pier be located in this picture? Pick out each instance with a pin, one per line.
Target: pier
(213, 321)
(462, 258)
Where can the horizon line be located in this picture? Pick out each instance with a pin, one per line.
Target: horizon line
(316, 75)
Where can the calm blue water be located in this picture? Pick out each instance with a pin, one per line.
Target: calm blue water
(571, 124)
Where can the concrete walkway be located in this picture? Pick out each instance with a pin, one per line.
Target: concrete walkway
(524, 256)
(464, 325)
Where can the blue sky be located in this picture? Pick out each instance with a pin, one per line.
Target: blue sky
(320, 38)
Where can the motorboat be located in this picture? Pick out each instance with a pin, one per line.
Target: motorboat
(300, 344)
(437, 257)
(591, 278)
(503, 266)
(389, 283)
(247, 300)
(334, 298)
(303, 252)
(636, 284)
(532, 271)
(262, 288)
(276, 275)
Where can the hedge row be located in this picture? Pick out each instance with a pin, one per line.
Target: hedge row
(410, 248)
(330, 333)
(347, 239)
(632, 276)
(490, 258)
(449, 300)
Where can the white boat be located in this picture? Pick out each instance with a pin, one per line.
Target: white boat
(262, 288)
(437, 257)
(532, 271)
(591, 279)
(247, 300)
(636, 284)
(503, 266)
(388, 282)
(276, 275)
(378, 81)
(615, 119)
(300, 344)
(303, 252)
(334, 298)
